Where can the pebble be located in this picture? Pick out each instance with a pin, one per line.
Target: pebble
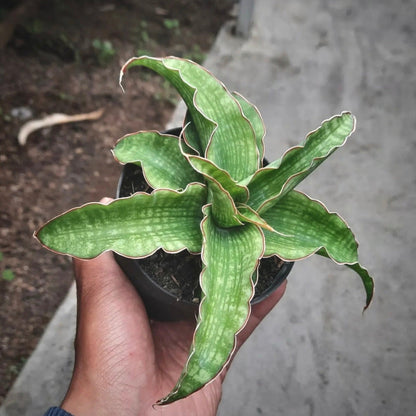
(22, 113)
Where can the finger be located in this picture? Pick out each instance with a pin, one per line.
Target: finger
(113, 333)
(96, 269)
(258, 312)
(96, 274)
(100, 280)
(106, 298)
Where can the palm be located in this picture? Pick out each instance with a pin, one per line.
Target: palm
(172, 343)
(162, 349)
(126, 363)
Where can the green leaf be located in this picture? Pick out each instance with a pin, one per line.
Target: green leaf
(214, 173)
(222, 191)
(225, 308)
(133, 227)
(163, 164)
(247, 214)
(272, 182)
(8, 275)
(252, 113)
(223, 208)
(367, 280)
(307, 226)
(191, 135)
(226, 136)
(313, 229)
(203, 125)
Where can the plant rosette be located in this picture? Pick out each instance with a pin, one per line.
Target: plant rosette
(169, 283)
(212, 196)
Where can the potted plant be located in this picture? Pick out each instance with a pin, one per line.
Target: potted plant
(169, 283)
(213, 196)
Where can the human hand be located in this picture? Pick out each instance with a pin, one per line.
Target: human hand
(124, 362)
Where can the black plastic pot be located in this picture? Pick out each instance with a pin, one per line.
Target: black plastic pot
(162, 305)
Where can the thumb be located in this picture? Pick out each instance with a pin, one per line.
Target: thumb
(99, 275)
(100, 280)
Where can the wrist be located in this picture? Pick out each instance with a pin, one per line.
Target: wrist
(57, 411)
(78, 405)
(85, 398)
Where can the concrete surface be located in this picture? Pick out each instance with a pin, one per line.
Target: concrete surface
(46, 375)
(315, 354)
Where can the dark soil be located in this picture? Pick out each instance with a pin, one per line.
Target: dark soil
(179, 273)
(59, 61)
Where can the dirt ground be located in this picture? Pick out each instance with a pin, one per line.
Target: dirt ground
(65, 58)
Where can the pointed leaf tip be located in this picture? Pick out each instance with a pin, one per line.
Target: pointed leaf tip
(222, 130)
(127, 225)
(271, 183)
(225, 307)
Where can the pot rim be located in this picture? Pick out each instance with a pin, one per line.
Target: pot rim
(280, 277)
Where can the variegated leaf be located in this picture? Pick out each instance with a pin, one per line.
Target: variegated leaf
(226, 137)
(272, 182)
(212, 172)
(230, 257)
(133, 227)
(309, 228)
(247, 214)
(222, 192)
(367, 280)
(159, 155)
(252, 113)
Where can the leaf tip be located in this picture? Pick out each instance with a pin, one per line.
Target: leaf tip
(120, 80)
(35, 234)
(123, 70)
(353, 120)
(370, 296)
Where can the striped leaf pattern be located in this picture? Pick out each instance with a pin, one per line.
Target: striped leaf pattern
(213, 197)
(230, 258)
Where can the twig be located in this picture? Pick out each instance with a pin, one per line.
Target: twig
(53, 119)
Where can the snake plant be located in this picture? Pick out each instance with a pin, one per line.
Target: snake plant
(213, 196)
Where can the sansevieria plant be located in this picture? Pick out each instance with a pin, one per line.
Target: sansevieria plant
(213, 196)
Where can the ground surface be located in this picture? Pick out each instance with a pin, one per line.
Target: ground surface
(58, 61)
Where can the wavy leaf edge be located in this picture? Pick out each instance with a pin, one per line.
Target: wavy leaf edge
(195, 96)
(166, 400)
(322, 250)
(134, 134)
(142, 161)
(178, 71)
(300, 146)
(223, 171)
(35, 234)
(260, 153)
(321, 247)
